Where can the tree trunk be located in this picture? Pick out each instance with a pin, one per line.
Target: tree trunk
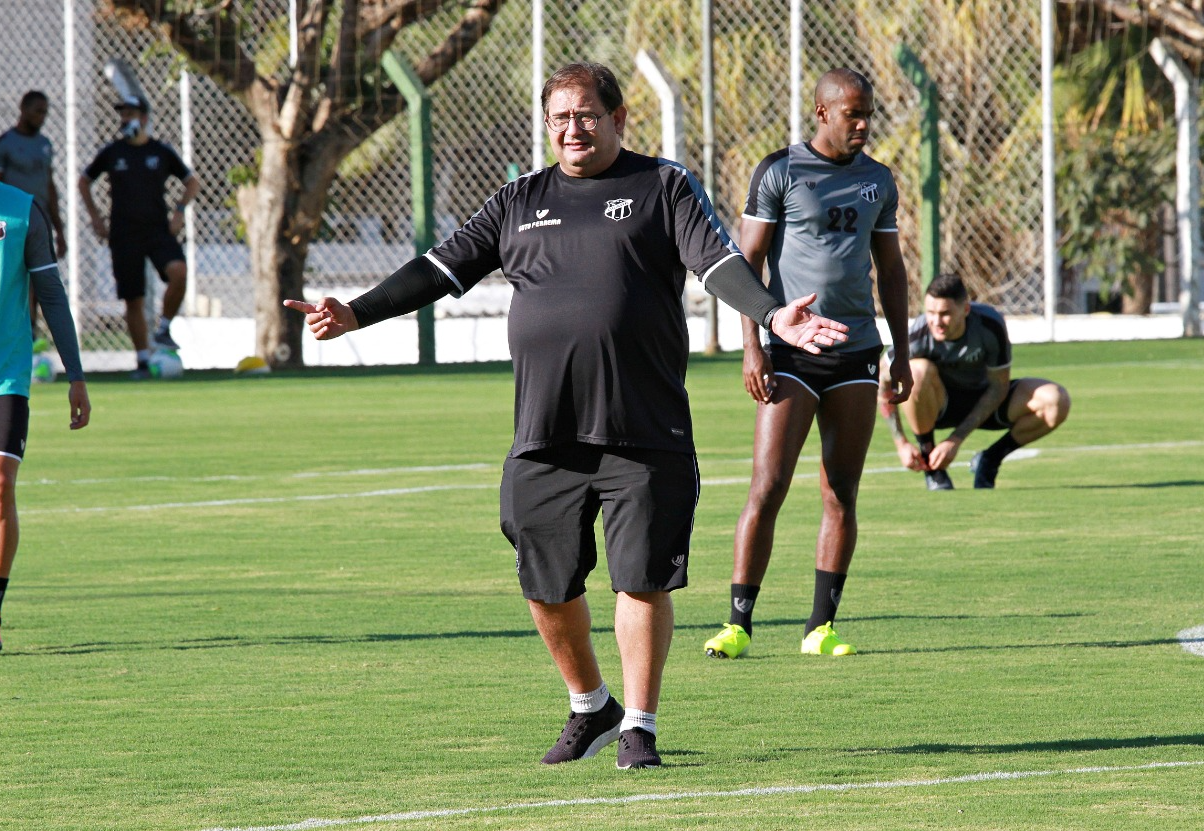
(1140, 294)
(283, 212)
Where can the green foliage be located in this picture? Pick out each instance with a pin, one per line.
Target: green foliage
(1116, 163)
(1111, 190)
(247, 602)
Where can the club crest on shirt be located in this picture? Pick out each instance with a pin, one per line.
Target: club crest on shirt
(3, 229)
(617, 209)
(152, 162)
(869, 191)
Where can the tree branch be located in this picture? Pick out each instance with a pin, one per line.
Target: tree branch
(473, 25)
(209, 38)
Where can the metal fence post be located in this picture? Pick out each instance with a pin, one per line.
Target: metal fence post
(422, 191)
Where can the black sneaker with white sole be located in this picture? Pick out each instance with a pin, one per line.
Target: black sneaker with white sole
(586, 733)
(985, 470)
(938, 480)
(637, 749)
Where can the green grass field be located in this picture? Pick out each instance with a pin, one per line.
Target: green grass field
(251, 602)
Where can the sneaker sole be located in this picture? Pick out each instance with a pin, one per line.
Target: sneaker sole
(609, 737)
(719, 653)
(637, 767)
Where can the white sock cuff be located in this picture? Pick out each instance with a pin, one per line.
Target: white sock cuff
(590, 702)
(633, 718)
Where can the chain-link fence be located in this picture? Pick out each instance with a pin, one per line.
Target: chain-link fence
(983, 55)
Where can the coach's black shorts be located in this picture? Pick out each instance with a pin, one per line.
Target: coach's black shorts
(550, 501)
(130, 255)
(959, 403)
(14, 425)
(827, 370)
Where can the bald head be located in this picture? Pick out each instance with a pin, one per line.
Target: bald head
(835, 84)
(844, 105)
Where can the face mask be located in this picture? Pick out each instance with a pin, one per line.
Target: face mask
(131, 129)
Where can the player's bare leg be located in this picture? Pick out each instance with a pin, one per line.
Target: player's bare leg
(177, 285)
(596, 717)
(644, 631)
(846, 424)
(922, 409)
(565, 629)
(1036, 408)
(9, 527)
(781, 430)
(135, 322)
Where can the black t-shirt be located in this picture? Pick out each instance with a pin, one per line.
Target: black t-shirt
(597, 330)
(138, 175)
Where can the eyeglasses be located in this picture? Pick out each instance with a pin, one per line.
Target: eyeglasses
(559, 122)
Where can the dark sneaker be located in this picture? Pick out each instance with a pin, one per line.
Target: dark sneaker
(985, 470)
(586, 733)
(637, 749)
(164, 340)
(938, 480)
(142, 373)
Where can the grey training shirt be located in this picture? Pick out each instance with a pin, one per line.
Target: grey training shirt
(825, 212)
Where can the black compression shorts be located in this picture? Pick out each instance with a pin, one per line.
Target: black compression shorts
(827, 370)
(14, 425)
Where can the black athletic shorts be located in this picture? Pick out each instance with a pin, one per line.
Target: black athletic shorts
(827, 370)
(130, 255)
(14, 425)
(959, 403)
(551, 499)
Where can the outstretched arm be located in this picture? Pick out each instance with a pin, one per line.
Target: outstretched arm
(734, 282)
(416, 284)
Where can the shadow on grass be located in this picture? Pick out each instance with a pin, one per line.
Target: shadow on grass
(1182, 483)
(236, 642)
(1061, 745)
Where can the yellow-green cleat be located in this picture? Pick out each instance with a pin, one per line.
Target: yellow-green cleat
(822, 640)
(731, 642)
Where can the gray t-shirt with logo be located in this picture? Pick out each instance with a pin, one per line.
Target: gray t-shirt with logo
(825, 212)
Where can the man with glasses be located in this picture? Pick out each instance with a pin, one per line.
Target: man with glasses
(821, 213)
(596, 248)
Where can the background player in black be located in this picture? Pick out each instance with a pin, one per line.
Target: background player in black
(140, 226)
(596, 248)
(961, 359)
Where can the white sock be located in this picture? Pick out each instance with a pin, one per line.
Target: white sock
(143, 355)
(590, 702)
(638, 718)
(164, 324)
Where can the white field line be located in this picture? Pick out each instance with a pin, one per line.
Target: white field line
(1019, 455)
(259, 500)
(1192, 640)
(997, 776)
(238, 477)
